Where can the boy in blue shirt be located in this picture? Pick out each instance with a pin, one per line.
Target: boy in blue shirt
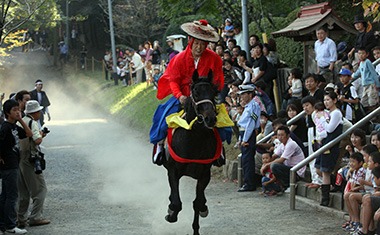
(370, 81)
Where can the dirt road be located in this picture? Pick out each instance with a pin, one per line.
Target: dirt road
(101, 180)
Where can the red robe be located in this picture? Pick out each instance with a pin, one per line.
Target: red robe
(178, 76)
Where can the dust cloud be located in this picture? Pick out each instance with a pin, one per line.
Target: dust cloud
(119, 157)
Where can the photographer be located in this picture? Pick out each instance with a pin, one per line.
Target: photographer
(31, 182)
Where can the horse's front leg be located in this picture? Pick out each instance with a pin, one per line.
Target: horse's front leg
(175, 205)
(199, 204)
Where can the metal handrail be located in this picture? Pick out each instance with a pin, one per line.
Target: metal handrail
(376, 62)
(290, 122)
(294, 169)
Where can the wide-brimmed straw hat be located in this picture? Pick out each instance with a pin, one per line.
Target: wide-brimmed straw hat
(201, 30)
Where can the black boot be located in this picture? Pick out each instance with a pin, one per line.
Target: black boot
(325, 195)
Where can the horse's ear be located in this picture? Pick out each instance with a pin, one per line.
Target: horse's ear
(210, 76)
(195, 76)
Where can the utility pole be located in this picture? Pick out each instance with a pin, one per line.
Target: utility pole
(244, 22)
(67, 25)
(112, 36)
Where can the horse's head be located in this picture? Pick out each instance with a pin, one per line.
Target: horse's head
(203, 93)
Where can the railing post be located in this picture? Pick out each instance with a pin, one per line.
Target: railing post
(93, 64)
(292, 190)
(239, 172)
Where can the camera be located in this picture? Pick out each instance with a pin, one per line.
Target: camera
(39, 162)
(45, 130)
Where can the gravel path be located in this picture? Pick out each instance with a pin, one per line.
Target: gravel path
(101, 180)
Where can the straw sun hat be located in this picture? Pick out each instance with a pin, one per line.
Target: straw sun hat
(201, 30)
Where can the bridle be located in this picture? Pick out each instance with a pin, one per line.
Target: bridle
(195, 104)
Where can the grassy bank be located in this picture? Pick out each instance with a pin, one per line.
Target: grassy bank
(133, 105)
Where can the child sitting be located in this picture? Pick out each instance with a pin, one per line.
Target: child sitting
(376, 217)
(353, 185)
(354, 199)
(269, 185)
(358, 140)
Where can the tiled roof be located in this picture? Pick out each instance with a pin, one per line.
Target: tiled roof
(312, 17)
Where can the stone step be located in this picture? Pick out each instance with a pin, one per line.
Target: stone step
(336, 199)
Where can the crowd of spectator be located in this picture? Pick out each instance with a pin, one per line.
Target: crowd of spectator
(343, 90)
(143, 65)
(23, 190)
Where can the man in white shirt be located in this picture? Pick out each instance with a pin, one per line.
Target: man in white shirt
(238, 35)
(287, 155)
(137, 64)
(325, 55)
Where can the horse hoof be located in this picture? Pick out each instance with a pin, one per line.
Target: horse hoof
(170, 219)
(203, 214)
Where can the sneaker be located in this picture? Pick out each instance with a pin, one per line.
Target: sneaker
(358, 232)
(237, 145)
(21, 224)
(16, 230)
(354, 227)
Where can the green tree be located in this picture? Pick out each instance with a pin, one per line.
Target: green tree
(136, 21)
(371, 8)
(16, 14)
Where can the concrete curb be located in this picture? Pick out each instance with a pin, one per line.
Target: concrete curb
(315, 205)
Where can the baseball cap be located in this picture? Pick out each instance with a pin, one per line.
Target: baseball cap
(345, 72)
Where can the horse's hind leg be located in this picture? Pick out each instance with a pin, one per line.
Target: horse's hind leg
(199, 204)
(175, 205)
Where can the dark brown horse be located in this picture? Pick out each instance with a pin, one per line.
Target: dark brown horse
(193, 151)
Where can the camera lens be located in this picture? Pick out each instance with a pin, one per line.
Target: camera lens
(37, 166)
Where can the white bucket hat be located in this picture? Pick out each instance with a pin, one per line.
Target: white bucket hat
(246, 88)
(32, 106)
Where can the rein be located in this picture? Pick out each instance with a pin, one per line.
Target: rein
(197, 103)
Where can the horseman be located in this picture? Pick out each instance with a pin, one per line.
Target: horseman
(178, 77)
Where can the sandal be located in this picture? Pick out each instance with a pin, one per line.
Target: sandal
(272, 193)
(314, 186)
(346, 224)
